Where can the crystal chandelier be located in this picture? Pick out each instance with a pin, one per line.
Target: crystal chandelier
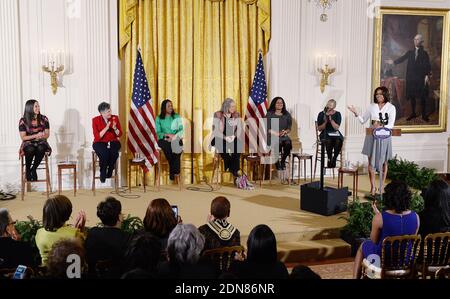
(324, 4)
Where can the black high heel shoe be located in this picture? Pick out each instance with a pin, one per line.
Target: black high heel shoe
(34, 176)
(29, 175)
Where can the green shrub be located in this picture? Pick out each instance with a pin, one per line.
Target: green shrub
(132, 224)
(359, 219)
(409, 172)
(28, 229)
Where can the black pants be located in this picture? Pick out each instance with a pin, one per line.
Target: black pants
(232, 162)
(107, 157)
(333, 147)
(172, 158)
(36, 152)
(285, 150)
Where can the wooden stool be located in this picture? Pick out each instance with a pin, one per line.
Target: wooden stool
(115, 176)
(254, 163)
(272, 168)
(354, 173)
(300, 157)
(159, 167)
(217, 167)
(47, 175)
(136, 165)
(69, 165)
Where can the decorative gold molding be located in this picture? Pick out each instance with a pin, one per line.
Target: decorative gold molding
(445, 13)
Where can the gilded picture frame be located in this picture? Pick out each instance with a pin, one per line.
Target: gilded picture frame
(411, 58)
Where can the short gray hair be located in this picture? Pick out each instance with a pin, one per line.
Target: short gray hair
(185, 244)
(5, 219)
(226, 105)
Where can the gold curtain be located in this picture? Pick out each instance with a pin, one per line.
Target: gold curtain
(196, 53)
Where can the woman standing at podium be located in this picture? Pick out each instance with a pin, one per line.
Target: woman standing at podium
(378, 112)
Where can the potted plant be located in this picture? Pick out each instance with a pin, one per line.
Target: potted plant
(409, 172)
(27, 231)
(132, 224)
(359, 222)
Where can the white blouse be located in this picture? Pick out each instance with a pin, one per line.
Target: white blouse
(373, 113)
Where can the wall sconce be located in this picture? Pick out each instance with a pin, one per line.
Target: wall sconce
(325, 64)
(53, 63)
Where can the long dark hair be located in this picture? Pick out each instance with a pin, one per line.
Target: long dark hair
(262, 245)
(159, 218)
(387, 97)
(274, 102)
(28, 114)
(437, 199)
(162, 115)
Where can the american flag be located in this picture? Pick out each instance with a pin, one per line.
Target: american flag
(257, 106)
(142, 138)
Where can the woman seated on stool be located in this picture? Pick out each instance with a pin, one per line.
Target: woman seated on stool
(227, 139)
(169, 129)
(277, 111)
(107, 131)
(328, 123)
(34, 131)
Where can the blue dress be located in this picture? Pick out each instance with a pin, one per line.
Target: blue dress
(393, 225)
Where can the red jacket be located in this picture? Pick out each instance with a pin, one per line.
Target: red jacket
(98, 124)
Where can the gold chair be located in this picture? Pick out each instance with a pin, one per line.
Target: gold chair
(319, 153)
(398, 258)
(443, 273)
(43, 166)
(436, 254)
(223, 256)
(115, 176)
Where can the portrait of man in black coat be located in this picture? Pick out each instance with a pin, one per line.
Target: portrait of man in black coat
(418, 73)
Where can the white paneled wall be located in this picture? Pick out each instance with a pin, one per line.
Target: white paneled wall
(298, 35)
(86, 31)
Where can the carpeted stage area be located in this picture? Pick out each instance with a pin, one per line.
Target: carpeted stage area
(301, 236)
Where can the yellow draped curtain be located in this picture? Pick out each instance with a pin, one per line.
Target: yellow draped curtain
(196, 53)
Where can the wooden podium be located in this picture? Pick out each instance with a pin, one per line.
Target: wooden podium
(395, 132)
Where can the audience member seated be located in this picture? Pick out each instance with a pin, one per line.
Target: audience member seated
(56, 213)
(13, 251)
(160, 220)
(60, 264)
(262, 261)
(435, 218)
(107, 243)
(303, 272)
(184, 247)
(218, 232)
(396, 220)
(142, 257)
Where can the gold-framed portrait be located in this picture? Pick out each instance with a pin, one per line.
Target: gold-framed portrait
(411, 58)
